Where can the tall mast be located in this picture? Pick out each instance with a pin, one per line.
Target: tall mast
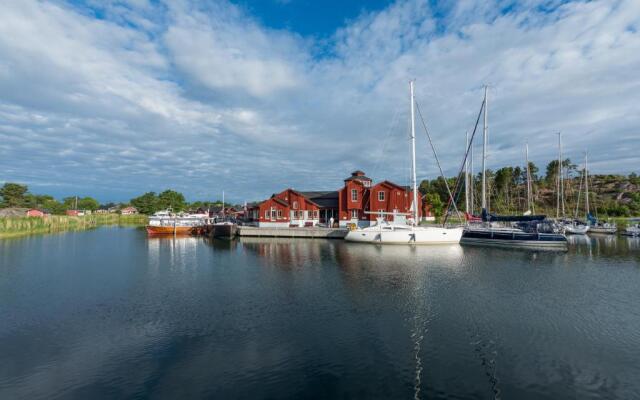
(223, 202)
(559, 178)
(413, 156)
(485, 132)
(586, 183)
(466, 174)
(471, 181)
(529, 197)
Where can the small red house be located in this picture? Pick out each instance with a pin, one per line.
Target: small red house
(74, 213)
(34, 212)
(129, 211)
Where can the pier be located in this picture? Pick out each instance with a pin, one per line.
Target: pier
(306, 232)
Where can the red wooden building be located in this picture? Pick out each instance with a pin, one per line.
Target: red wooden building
(359, 201)
(362, 202)
(284, 209)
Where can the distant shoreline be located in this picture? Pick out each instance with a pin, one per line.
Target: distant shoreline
(23, 226)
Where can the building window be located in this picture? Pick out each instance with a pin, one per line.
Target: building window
(354, 195)
(315, 214)
(354, 214)
(381, 196)
(366, 183)
(266, 214)
(295, 205)
(380, 213)
(279, 213)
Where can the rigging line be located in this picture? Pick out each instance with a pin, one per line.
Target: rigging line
(387, 139)
(446, 215)
(446, 184)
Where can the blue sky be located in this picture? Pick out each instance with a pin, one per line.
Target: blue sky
(113, 98)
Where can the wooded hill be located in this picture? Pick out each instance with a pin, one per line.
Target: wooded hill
(609, 195)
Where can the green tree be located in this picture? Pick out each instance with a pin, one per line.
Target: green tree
(171, 199)
(435, 204)
(147, 203)
(88, 203)
(13, 195)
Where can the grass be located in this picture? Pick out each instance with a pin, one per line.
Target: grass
(19, 226)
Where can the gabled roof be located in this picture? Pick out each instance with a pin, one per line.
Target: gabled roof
(280, 201)
(389, 183)
(324, 199)
(301, 194)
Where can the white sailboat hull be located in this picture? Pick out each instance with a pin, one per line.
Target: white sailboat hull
(421, 235)
(576, 229)
(363, 235)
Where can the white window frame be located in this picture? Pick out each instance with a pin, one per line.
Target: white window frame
(354, 194)
(381, 195)
(354, 214)
(266, 214)
(295, 205)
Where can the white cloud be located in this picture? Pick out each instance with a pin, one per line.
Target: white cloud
(204, 98)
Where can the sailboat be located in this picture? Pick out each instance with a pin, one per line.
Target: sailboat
(395, 233)
(570, 226)
(521, 231)
(595, 226)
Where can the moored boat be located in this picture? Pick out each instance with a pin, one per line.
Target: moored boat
(395, 233)
(634, 229)
(167, 223)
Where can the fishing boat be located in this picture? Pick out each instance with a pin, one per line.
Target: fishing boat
(167, 223)
(396, 233)
(517, 231)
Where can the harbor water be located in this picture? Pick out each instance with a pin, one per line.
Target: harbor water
(110, 313)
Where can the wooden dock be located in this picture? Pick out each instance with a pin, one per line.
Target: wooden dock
(306, 232)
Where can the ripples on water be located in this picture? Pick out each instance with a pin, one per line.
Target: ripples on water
(111, 314)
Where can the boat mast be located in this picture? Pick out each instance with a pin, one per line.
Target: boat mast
(466, 174)
(471, 181)
(485, 131)
(559, 178)
(223, 203)
(529, 196)
(413, 156)
(586, 184)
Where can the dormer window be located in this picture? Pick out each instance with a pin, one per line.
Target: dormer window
(366, 183)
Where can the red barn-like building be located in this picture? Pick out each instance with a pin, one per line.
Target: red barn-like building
(287, 208)
(359, 202)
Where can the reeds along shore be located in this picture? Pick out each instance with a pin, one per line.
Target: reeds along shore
(18, 226)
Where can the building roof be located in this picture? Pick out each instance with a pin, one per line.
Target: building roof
(13, 212)
(358, 176)
(323, 198)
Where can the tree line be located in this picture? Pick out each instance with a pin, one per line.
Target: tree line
(17, 195)
(610, 195)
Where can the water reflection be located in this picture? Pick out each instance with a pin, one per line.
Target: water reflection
(283, 318)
